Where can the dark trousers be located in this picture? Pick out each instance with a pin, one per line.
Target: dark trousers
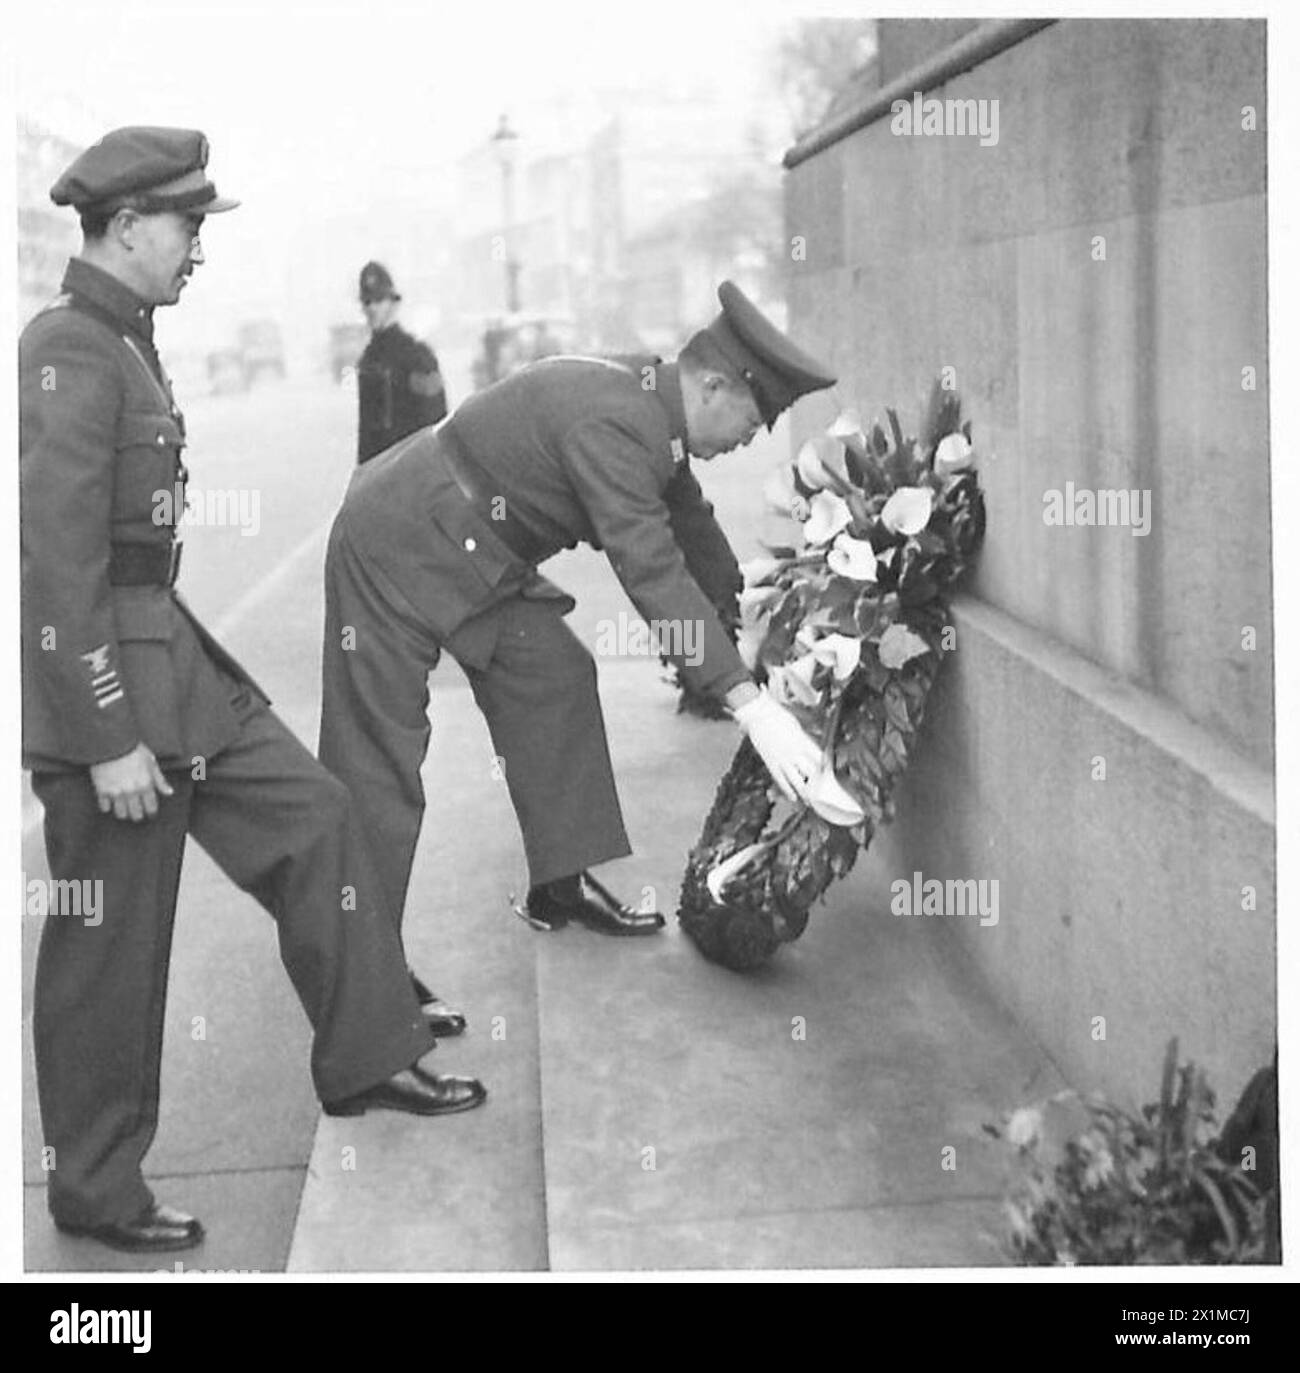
(284, 831)
(535, 684)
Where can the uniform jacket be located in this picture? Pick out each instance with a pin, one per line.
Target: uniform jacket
(580, 450)
(100, 439)
(399, 390)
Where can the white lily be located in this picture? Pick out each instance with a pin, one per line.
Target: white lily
(821, 463)
(754, 599)
(828, 516)
(898, 646)
(798, 680)
(848, 428)
(954, 454)
(908, 510)
(758, 570)
(853, 558)
(719, 877)
(841, 652)
(829, 799)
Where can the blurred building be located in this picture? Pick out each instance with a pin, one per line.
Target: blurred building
(621, 223)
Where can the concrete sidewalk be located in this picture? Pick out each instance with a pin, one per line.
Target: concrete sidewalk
(649, 1110)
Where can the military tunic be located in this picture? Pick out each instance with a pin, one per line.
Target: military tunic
(112, 657)
(566, 450)
(399, 390)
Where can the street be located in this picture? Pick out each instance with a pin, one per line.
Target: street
(647, 1109)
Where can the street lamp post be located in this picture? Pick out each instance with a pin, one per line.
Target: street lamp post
(505, 144)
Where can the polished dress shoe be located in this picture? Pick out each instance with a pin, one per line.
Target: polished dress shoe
(415, 1091)
(582, 899)
(441, 1019)
(157, 1230)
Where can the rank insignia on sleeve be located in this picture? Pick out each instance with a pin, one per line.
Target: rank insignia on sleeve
(103, 676)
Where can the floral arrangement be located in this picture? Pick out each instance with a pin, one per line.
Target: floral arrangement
(847, 625)
(1101, 1185)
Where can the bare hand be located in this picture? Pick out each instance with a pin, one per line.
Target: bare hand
(129, 785)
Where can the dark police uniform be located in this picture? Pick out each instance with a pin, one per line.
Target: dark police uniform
(399, 387)
(112, 657)
(436, 548)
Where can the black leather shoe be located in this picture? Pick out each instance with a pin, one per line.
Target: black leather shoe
(415, 1091)
(441, 1019)
(159, 1230)
(552, 906)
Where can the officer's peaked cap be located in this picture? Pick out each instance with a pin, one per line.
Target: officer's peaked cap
(774, 367)
(156, 169)
(377, 284)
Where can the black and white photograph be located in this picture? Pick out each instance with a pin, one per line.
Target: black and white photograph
(651, 648)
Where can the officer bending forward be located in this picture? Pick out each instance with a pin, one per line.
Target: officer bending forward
(140, 730)
(436, 548)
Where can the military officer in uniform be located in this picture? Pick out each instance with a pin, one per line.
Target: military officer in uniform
(140, 730)
(399, 387)
(436, 550)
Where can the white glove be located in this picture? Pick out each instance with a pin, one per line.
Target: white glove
(792, 758)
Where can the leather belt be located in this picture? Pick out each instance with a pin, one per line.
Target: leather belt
(144, 564)
(485, 496)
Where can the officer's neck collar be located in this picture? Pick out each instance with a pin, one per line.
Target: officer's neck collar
(113, 297)
(668, 387)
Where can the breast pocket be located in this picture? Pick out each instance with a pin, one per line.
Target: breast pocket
(148, 486)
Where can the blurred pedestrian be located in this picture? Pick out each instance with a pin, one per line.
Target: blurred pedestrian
(399, 386)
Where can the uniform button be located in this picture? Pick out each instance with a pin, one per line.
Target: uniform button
(470, 545)
(162, 438)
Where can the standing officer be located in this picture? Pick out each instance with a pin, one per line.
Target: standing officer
(436, 548)
(140, 729)
(399, 387)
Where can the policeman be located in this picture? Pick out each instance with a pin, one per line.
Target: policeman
(399, 387)
(140, 729)
(436, 549)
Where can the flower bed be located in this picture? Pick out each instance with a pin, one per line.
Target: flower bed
(847, 626)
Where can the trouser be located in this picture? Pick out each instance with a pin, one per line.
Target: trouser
(535, 684)
(283, 830)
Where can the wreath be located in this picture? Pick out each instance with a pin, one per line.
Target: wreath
(847, 629)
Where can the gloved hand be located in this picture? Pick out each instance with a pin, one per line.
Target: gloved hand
(792, 758)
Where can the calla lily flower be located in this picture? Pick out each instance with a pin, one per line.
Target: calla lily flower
(792, 682)
(853, 558)
(829, 799)
(829, 515)
(821, 463)
(841, 652)
(759, 570)
(719, 877)
(908, 510)
(898, 646)
(848, 428)
(753, 601)
(780, 494)
(954, 454)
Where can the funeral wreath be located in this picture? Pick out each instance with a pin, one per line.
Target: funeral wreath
(846, 625)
